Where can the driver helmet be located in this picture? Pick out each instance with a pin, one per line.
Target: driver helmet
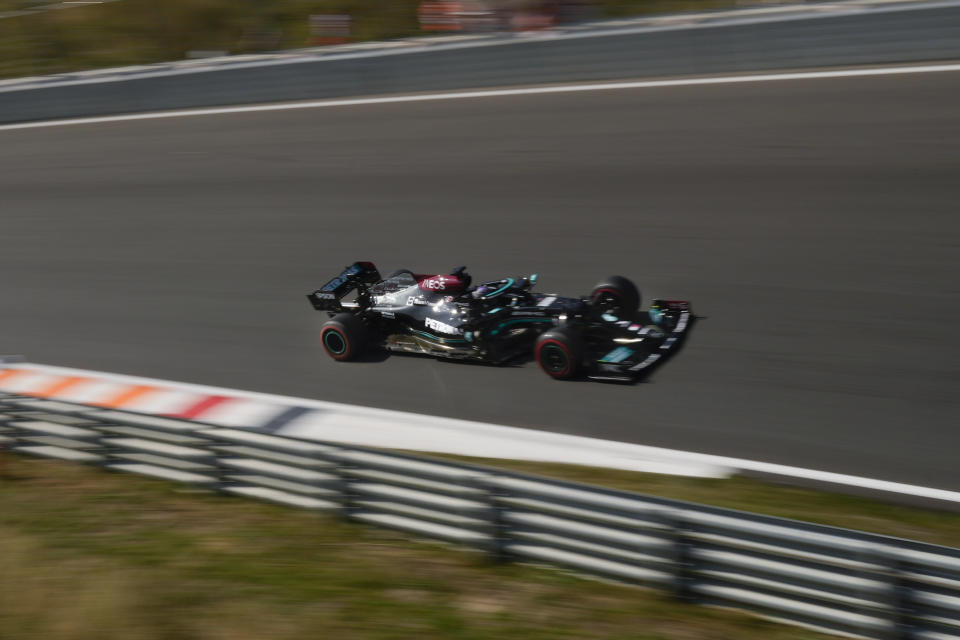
(480, 291)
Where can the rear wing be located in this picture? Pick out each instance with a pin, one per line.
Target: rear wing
(327, 297)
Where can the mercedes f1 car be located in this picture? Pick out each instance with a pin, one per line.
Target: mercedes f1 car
(602, 335)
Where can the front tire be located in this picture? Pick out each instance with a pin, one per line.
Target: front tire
(616, 295)
(559, 353)
(344, 337)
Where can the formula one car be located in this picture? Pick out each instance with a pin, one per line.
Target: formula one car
(601, 335)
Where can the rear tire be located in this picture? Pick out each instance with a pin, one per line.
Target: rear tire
(344, 337)
(616, 295)
(559, 353)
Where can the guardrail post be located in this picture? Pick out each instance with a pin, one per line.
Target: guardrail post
(217, 447)
(107, 450)
(498, 526)
(683, 559)
(12, 432)
(343, 470)
(8, 433)
(899, 601)
(15, 433)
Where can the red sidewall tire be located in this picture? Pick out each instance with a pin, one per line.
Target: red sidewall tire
(345, 337)
(347, 349)
(567, 371)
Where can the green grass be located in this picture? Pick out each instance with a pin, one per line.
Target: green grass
(144, 31)
(93, 555)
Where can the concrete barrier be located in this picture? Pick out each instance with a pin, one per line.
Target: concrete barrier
(874, 33)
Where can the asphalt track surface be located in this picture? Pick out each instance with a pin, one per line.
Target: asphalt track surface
(813, 222)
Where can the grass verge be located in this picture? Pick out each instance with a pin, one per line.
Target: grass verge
(89, 554)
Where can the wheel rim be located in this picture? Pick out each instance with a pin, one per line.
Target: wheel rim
(335, 342)
(554, 359)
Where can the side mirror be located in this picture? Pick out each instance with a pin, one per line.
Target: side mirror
(527, 282)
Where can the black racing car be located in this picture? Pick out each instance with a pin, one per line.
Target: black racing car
(602, 335)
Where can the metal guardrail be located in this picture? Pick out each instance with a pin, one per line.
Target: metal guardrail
(824, 577)
(872, 36)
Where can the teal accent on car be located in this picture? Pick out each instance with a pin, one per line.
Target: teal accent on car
(492, 311)
(518, 321)
(509, 284)
(440, 338)
(617, 355)
(334, 348)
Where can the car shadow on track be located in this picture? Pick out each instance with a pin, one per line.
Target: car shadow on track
(374, 355)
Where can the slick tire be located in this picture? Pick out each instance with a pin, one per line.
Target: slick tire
(616, 295)
(344, 337)
(559, 352)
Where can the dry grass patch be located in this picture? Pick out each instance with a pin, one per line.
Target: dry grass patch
(99, 555)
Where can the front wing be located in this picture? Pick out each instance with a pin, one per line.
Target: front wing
(634, 349)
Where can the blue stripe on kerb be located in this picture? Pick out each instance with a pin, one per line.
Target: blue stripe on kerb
(282, 419)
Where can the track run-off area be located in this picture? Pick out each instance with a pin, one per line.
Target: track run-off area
(811, 219)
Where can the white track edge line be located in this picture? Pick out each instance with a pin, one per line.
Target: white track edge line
(707, 20)
(828, 477)
(495, 93)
